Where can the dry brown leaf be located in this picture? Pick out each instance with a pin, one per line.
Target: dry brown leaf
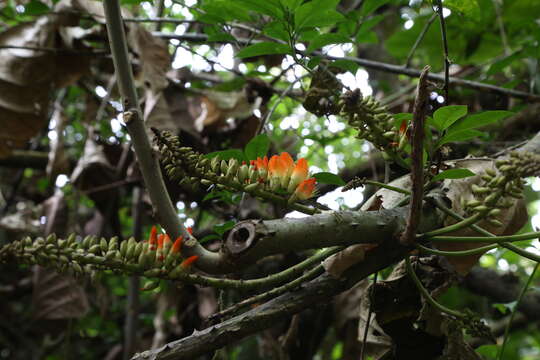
(92, 171)
(57, 296)
(27, 77)
(338, 263)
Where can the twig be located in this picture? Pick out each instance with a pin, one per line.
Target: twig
(57, 50)
(445, 51)
(368, 320)
(500, 22)
(269, 113)
(514, 311)
(147, 161)
(419, 39)
(377, 65)
(417, 153)
(313, 273)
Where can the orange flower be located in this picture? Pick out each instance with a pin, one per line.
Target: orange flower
(177, 245)
(299, 174)
(288, 161)
(160, 240)
(305, 189)
(403, 127)
(277, 167)
(261, 163)
(189, 261)
(152, 239)
(190, 230)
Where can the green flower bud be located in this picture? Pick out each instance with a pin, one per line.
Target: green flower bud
(243, 173)
(131, 244)
(138, 249)
(224, 167)
(123, 248)
(494, 222)
(51, 239)
(252, 187)
(150, 285)
(104, 245)
(214, 164)
(113, 243)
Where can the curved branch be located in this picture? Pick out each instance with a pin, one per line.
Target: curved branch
(147, 161)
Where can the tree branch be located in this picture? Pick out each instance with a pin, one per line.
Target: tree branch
(417, 154)
(377, 65)
(264, 316)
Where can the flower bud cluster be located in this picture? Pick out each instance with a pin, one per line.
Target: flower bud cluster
(373, 122)
(270, 179)
(157, 257)
(501, 188)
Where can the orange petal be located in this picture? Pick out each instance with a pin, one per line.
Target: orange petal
(177, 245)
(301, 169)
(153, 236)
(166, 239)
(189, 261)
(190, 230)
(160, 240)
(403, 127)
(288, 161)
(305, 189)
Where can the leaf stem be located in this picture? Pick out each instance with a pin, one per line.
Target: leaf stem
(426, 294)
(514, 311)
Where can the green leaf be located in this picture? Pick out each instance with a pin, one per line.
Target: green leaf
(267, 7)
(453, 174)
(227, 154)
(458, 136)
(221, 229)
(263, 48)
(292, 4)
(329, 178)
(488, 351)
(365, 33)
(480, 119)
(469, 8)
(326, 39)
(447, 115)
(317, 13)
(345, 64)
(501, 64)
(257, 147)
(369, 6)
(276, 29)
(221, 37)
(35, 7)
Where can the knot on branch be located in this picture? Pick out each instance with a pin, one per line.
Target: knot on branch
(241, 238)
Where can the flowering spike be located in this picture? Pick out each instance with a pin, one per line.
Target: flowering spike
(189, 262)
